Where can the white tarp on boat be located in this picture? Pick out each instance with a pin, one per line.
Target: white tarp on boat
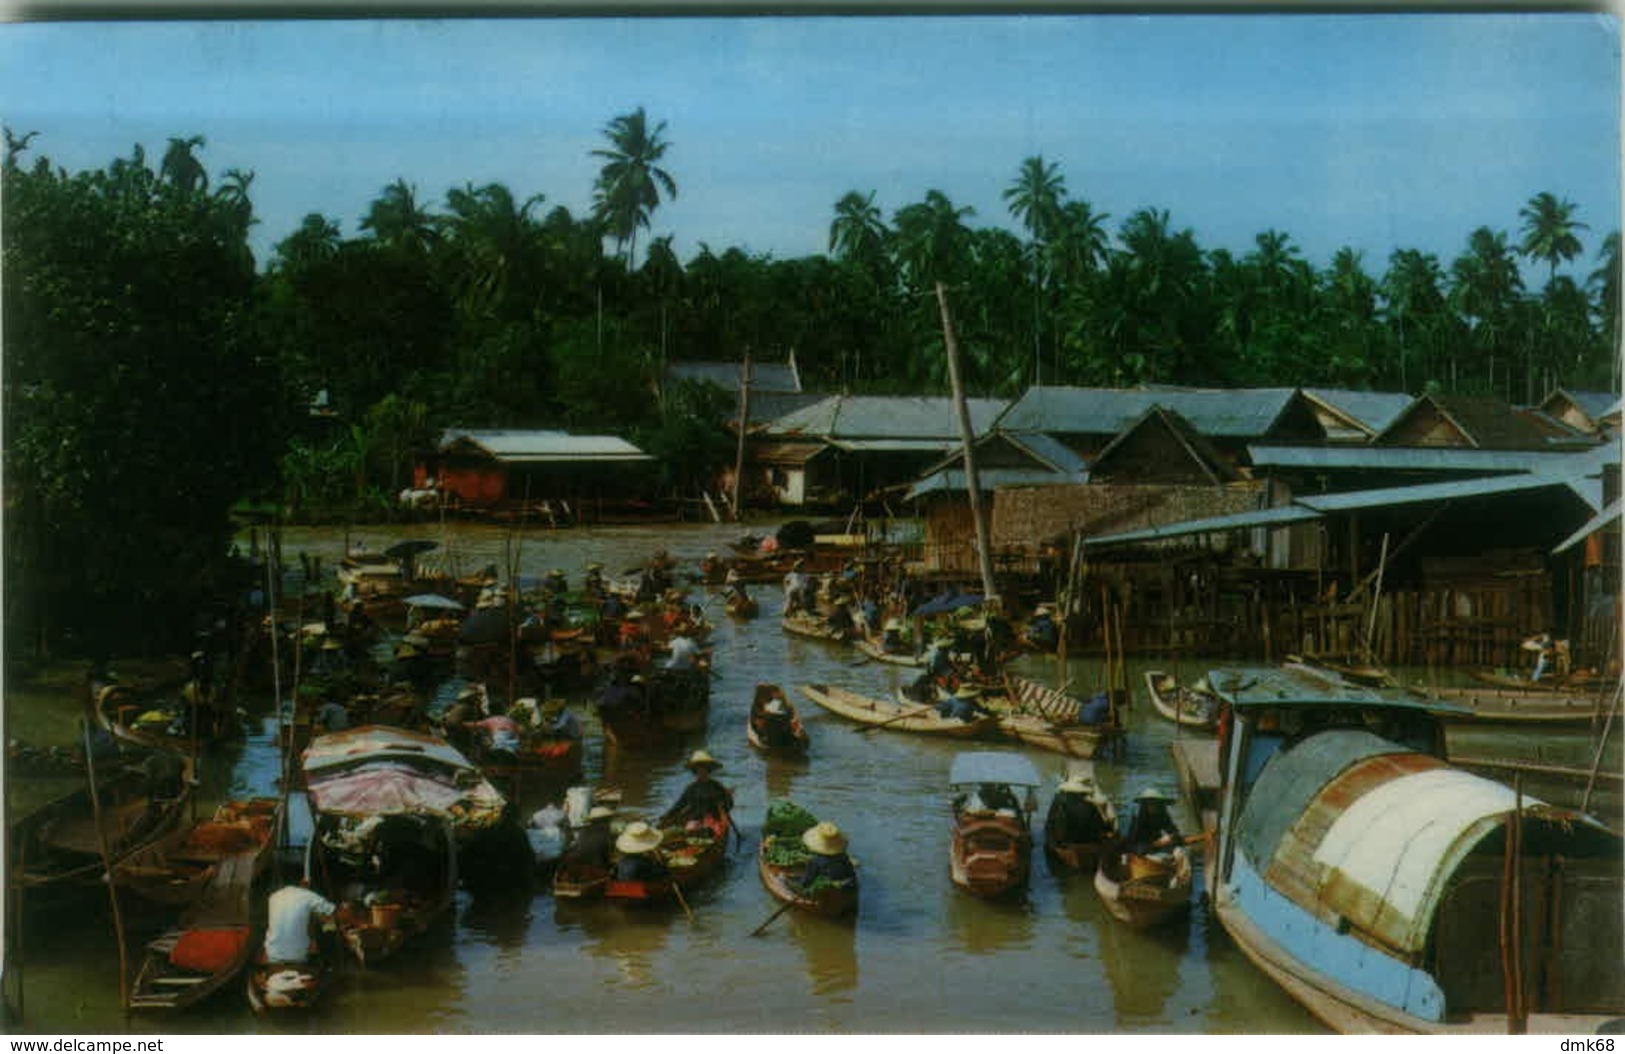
(1389, 854)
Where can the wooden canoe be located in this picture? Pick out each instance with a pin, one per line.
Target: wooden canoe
(1073, 741)
(873, 649)
(1183, 706)
(1519, 706)
(782, 738)
(1577, 682)
(175, 870)
(800, 625)
(579, 882)
(217, 936)
(883, 712)
(830, 902)
(746, 608)
(1145, 891)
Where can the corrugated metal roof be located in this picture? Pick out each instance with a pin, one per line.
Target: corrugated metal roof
(853, 417)
(952, 480)
(1605, 518)
(519, 446)
(1051, 451)
(766, 407)
(1278, 516)
(764, 376)
(1438, 459)
(1589, 491)
(893, 446)
(1593, 404)
(787, 453)
(1215, 413)
(1375, 410)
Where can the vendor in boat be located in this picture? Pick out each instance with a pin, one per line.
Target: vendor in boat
(891, 636)
(963, 705)
(795, 586)
(590, 846)
(840, 619)
(829, 865)
(639, 846)
(459, 717)
(1042, 632)
(703, 796)
(555, 583)
(634, 634)
(288, 931)
(332, 716)
(1151, 828)
(558, 721)
(685, 652)
(500, 734)
(592, 582)
(1078, 814)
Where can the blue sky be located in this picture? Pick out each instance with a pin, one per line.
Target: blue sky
(1374, 131)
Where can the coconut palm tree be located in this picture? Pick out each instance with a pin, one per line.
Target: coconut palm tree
(1411, 289)
(1035, 199)
(180, 167)
(1605, 281)
(1549, 231)
(857, 234)
(316, 240)
(629, 184)
(1484, 284)
(932, 240)
(396, 219)
(494, 236)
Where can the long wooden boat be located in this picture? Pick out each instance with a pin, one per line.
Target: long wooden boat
(217, 935)
(873, 649)
(1577, 682)
(675, 702)
(691, 857)
(176, 869)
(830, 902)
(990, 851)
(1145, 891)
(1365, 875)
(60, 843)
(813, 627)
(579, 882)
(784, 737)
(158, 723)
(1516, 706)
(1183, 706)
(1073, 741)
(924, 720)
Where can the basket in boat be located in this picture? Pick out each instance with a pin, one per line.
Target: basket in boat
(384, 916)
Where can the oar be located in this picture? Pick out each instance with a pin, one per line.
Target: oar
(786, 906)
(677, 891)
(898, 717)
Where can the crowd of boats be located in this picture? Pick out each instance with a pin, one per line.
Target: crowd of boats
(1334, 843)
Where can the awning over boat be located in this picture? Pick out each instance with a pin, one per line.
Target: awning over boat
(381, 743)
(388, 789)
(985, 766)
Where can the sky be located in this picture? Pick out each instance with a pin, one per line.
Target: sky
(1373, 131)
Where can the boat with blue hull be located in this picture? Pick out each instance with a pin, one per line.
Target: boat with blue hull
(1389, 892)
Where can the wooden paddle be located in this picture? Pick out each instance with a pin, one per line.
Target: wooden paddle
(786, 906)
(898, 717)
(677, 891)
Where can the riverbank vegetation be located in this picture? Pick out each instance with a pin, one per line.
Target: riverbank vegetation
(156, 373)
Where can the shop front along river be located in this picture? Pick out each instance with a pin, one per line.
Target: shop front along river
(921, 954)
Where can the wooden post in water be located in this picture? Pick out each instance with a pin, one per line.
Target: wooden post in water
(107, 870)
(967, 438)
(744, 425)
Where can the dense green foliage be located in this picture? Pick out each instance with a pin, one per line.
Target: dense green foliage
(153, 375)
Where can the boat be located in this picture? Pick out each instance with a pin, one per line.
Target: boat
(393, 811)
(669, 702)
(174, 870)
(780, 861)
(1048, 719)
(1081, 824)
(691, 856)
(783, 736)
(1144, 891)
(877, 652)
(283, 987)
(741, 607)
(60, 844)
(579, 882)
(804, 625)
(900, 717)
(1518, 706)
(1579, 681)
(152, 723)
(216, 936)
(1185, 707)
(990, 853)
(1376, 883)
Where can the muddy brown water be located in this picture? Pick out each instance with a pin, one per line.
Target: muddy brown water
(920, 956)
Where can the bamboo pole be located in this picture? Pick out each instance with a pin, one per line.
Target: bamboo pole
(967, 438)
(1376, 596)
(1602, 741)
(107, 870)
(744, 424)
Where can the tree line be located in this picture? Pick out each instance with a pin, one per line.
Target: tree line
(155, 374)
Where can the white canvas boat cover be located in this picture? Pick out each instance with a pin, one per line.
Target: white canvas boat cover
(1389, 855)
(379, 742)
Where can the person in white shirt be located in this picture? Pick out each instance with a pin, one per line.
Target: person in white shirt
(287, 929)
(685, 653)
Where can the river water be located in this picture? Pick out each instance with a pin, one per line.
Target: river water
(922, 956)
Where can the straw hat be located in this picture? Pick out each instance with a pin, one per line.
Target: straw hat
(635, 614)
(825, 839)
(473, 691)
(893, 623)
(552, 708)
(967, 691)
(1077, 785)
(332, 645)
(600, 812)
(974, 624)
(712, 555)
(1044, 609)
(595, 566)
(638, 838)
(701, 757)
(1153, 794)
(1201, 686)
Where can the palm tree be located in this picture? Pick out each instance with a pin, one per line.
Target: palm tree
(1605, 280)
(494, 236)
(857, 234)
(1035, 199)
(396, 219)
(1411, 288)
(628, 186)
(233, 192)
(932, 240)
(1484, 283)
(180, 167)
(1548, 231)
(316, 240)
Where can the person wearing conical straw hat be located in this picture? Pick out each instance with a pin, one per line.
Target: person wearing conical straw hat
(1078, 814)
(1151, 827)
(590, 847)
(829, 864)
(640, 861)
(963, 705)
(704, 797)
